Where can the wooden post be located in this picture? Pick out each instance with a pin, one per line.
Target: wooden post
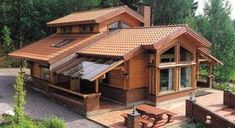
(97, 85)
(177, 69)
(210, 76)
(157, 74)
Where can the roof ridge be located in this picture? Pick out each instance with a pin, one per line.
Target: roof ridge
(159, 26)
(96, 9)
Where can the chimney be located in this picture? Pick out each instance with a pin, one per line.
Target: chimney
(146, 13)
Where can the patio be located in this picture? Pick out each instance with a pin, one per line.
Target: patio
(113, 118)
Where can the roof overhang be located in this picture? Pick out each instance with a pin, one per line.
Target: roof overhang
(200, 40)
(208, 57)
(97, 20)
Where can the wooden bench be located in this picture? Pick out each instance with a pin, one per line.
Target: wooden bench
(144, 120)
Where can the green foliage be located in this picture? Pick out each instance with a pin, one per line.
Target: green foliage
(221, 86)
(52, 122)
(6, 36)
(222, 35)
(19, 100)
(217, 27)
(234, 24)
(172, 11)
(192, 125)
(25, 123)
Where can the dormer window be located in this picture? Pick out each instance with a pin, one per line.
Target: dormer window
(66, 29)
(116, 25)
(86, 28)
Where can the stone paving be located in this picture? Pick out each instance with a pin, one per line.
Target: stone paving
(212, 100)
(37, 106)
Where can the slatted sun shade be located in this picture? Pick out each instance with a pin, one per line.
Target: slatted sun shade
(88, 68)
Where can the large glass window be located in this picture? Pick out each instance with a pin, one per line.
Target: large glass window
(168, 56)
(166, 79)
(185, 55)
(185, 77)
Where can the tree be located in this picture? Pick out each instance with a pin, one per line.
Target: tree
(172, 11)
(6, 39)
(19, 98)
(220, 32)
(234, 23)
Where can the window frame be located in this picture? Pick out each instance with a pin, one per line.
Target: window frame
(43, 74)
(173, 81)
(191, 82)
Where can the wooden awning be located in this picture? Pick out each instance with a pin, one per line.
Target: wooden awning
(89, 68)
(208, 57)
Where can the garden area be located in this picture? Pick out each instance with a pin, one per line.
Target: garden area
(49, 122)
(17, 118)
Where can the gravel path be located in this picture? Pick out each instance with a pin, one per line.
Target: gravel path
(37, 106)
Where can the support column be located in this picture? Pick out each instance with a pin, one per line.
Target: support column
(210, 77)
(97, 85)
(75, 84)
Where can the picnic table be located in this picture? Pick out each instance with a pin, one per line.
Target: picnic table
(154, 112)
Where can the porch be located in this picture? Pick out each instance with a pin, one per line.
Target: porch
(86, 104)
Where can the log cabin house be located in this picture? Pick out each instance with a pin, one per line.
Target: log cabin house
(115, 54)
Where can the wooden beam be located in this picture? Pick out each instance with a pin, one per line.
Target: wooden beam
(69, 91)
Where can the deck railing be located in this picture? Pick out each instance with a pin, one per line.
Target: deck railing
(229, 99)
(211, 119)
(79, 102)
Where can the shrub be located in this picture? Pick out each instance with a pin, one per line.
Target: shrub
(25, 123)
(221, 86)
(52, 122)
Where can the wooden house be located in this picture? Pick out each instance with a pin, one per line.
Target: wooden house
(115, 54)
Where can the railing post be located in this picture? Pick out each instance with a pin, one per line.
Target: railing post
(133, 119)
(227, 97)
(189, 106)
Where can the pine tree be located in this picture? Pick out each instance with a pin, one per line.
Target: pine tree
(221, 33)
(6, 36)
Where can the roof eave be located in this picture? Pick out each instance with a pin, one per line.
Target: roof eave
(49, 24)
(13, 56)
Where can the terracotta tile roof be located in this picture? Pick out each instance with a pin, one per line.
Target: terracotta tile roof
(125, 40)
(94, 16)
(43, 49)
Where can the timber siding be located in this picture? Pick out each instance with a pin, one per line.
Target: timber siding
(137, 71)
(115, 78)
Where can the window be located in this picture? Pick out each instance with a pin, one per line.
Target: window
(63, 43)
(113, 26)
(185, 77)
(116, 25)
(168, 56)
(185, 55)
(66, 29)
(166, 79)
(45, 73)
(86, 28)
